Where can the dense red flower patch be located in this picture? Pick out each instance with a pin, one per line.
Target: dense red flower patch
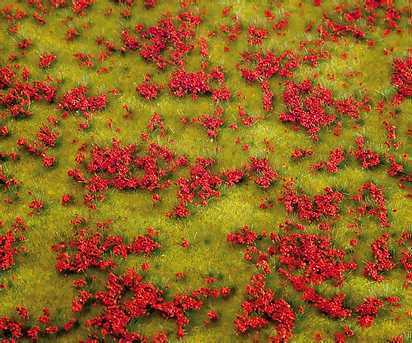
(306, 261)
(309, 107)
(199, 188)
(189, 83)
(375, 205)
(148, 89)
(366, 157)
(402, 78)
(120, 167)
(92, 251)
(383, 259)
(167, 42)
(322, 205)
(336, 158)
(261, 172)
(10, 244)
(18, 95)
(77, 99)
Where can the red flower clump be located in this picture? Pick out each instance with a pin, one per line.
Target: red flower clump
(169, 41)
(245, 236)
(308, 209)
(368, 310)
(395, 168)
(10, 246)
(16, 330)
(308, 107)
(46, 60)
(299, 154)
(383, 259)
(77, 100)
(47, 136)
(312, 257)
(368, 158)
(256, 35)
(79, 6)
(120, 167)
(18, 96)
(87, 251)
(221, 94)
(264, 67)
(7, 77)
(211, 122)
(372, 202)
(199, 188)
(148, 89)
(184, 83)
(8, 250)
(261, 172)
(143, 299)
(6, 182)
(336, 158)
(261, 307)
(402, 78)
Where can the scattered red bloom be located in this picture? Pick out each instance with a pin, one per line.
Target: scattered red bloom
(383, 259)
(367, 158)
(46, 60)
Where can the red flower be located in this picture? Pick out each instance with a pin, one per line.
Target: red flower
(382, 257)
(46, 60)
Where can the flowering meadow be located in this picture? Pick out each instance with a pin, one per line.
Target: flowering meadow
(205, 171)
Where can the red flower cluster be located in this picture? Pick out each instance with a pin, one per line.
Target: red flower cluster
(10, 246)
(383, 259)
(92, 251)
(262, 307)
(368, 310)
(199, 188)
(79, 6)
(14, 330)
(127, 298)
(308, 209)
(8, 250)
(406, 256)
(265, 67)
(6, 182)
(368, 158)
(120, 167)
(77, 100)
(256, 35)
(402, 78)
(395, 168)
(148, 89)
(186, 83)
(312, 257)
(298, 153)
(212, 123)
(244, 236)
(308, 106)
(375, 206)
(261, 172)
(336, 158)
(169, 41)
(20, 95)
(356, 21)
(46, 60)
(46, 138)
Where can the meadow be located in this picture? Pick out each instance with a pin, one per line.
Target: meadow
(205, 171)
